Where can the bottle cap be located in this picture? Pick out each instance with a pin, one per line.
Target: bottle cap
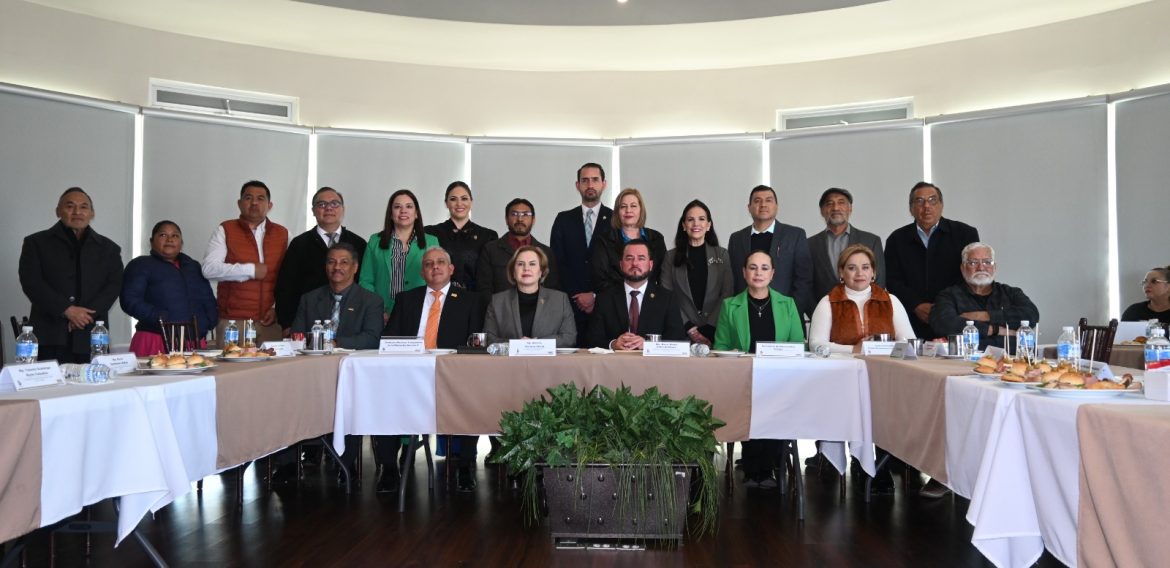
(970, 322)
(1068, 328)
(26, 329)
(1025, 323)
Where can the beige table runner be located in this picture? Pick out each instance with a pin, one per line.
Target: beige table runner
(20, 467)
(908, 405)
(1124, 498)
(472, 390)
(262, 407)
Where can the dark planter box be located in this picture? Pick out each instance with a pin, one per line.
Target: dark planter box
(584, 503)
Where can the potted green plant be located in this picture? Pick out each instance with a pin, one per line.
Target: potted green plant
(613, 464)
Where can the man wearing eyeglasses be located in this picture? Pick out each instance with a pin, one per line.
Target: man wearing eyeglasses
(491, 273)
(304, 263)
(996, 308)
(923, 257)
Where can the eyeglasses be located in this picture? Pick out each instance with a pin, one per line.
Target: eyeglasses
(986, 262)
(1152, 282)
(328, 204)
(918, 201)
(520, 213)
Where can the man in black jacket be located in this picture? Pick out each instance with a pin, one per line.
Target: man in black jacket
(923, 257)
(574, 234)
(491, 276)
(72, 275)
(625, 314)
(996, 309)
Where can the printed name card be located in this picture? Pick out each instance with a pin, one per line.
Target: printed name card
(401, 346)
(995, 353)
(281, 348)
(119, 362)
(532, 347)
(31, 376)
(666, 349)
(877, 347)
(774, 349)
(903, 350)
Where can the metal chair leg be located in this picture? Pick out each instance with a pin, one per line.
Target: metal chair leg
(404, 474)
(430, 462)
(877, 468)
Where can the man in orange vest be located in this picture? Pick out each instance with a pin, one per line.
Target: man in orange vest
(244, 255)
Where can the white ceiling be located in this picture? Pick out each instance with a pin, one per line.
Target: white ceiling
(814, 36)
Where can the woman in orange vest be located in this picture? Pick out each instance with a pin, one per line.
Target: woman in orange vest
(857, 308)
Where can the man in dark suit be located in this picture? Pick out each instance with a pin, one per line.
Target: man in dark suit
(574, 233)
(444, 317)
(624, 315)
(826, 246)
(923, 257)
(491, 275)
(787, 245)
(357, 315)
(301, 270)
(71, 275)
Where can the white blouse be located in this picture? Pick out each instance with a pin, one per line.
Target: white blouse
(822, 321)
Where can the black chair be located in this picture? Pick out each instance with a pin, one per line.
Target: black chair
(181, 336)
(16, 325)
(1097, 340)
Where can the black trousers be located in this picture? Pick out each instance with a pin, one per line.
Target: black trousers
(760, 457)
(62, 353)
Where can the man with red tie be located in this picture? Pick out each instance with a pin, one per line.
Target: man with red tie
(444, 316)
(623, 316)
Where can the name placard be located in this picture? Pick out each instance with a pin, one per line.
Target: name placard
(119, 362)
(775, 349)
(401, 346)
(995, 353)
(532, 347)
(31, 376)
(877, 347)
(666, 349)
(903, 350)
(281, 348)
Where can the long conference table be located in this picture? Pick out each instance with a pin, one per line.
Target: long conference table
(1077, 477)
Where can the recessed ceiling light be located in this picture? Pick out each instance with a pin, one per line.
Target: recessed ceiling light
(622, 1)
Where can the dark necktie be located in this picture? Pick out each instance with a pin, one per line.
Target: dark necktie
(633, 311)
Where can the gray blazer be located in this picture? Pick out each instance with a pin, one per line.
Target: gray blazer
(719, 272)
(553, 320)
(360, 323)
(825, 269)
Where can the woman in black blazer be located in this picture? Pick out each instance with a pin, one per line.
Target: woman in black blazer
(698, 270)
(628, 222)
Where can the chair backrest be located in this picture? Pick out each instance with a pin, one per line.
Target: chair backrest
(17, 324)
(1097, 340)
(180, 336)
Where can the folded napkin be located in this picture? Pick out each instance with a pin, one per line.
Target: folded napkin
(600, 351)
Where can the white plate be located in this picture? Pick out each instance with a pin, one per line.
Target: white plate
(243, 359)
(312, 352)
(190, 371)
(988, 375)
(951, 356)
(566, 350)
(1082, 393)
(727, 353)
(210, 352)
(108, 381)
(440, 351)
(1010, 384)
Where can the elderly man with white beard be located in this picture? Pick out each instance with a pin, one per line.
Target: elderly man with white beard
(996, 308)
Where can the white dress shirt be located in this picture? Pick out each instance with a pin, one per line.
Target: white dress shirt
(214, 267)
(822, 321)
(321, 232)
(428, 301)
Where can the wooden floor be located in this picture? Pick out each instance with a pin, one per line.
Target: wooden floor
(319, 525)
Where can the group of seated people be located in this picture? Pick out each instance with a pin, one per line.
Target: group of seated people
(605, 280)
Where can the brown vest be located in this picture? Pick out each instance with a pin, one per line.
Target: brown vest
(847, 327)
(251, 298)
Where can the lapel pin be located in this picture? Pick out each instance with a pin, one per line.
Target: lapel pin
(651, 294)
(349, 309)
(454, 295)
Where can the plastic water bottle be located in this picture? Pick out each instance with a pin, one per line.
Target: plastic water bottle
(1157, 350)
(1068, 346)
(970, 339)
(249, 334)
(27, 346)
(699, 350)
(330, 336)
(1025, 341)
(231, 334)
(99, 339)
(316, 336)
(1151, 326)
(85, 373)
(498, 349)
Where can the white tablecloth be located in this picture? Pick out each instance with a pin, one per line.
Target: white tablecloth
(819, 399)
(384, 394)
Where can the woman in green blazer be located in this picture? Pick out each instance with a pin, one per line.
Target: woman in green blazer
(399, 245)
(759, 313)
(744, 317)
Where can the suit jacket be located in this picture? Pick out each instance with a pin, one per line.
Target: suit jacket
(461, 316)
(790, 259)
(491, 276)
(303, 269)
(825, 269)
(53, 279)
(719, 285)
(360, 322)
(573, 256)
(916, 274)
(657, 313)
(608, 254)
(734, 330)
(553, 318)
